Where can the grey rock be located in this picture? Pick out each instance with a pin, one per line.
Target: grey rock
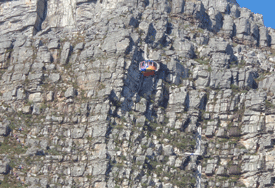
(38, 43)
(185, 48)
(70, 92)
(26, 109)
(4, 168)
(50, 66)
(168, 185)
(99, 131)
(4, 129)
(209, 131)
(220, 46)
(233, 170)
(21, 94)
(177, 6)
(54, 77)
(100, 168)
(210, 169)
(141, 106)
(49, 96)
(140, 159)
(78, 132)
(79, 46)
(78, 171)
(36, 109)
(6, 44)
(233, 132)
(54, 44)
(195, 9)
(221, 171)
(35, 97)
(34, 151)
(168, 150)
(221, 132)
(44, 144)
(242, 26)
(263, 37)
(20, 41)
(7, 96)
(123, 46)
(65, 53)
(228, 25)
(177, 72)
(43, 56)
(35, 76)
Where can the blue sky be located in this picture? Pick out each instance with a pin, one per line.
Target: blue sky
(264, 7)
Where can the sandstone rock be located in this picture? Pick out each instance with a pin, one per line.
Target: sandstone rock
(177, 6)
(54, 77)
(66, 50)
(54, 44)
(77, 171)
(70, 92)
(233, 132)
(4, 129)
(4, 168)
(26, 109)
(168, 150)
(233, 170)
(49, 96)
(78, 132)
(79, 46)
(36, 109)
(35, 97)
(210, 169)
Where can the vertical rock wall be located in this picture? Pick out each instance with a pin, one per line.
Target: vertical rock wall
(76, 112)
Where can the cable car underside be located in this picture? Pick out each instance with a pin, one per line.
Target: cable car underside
(148, 67)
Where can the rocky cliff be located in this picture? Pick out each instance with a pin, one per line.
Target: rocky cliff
(76, 112)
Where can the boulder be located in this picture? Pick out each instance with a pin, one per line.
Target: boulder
(178, 6)
(79, 46)
(4, 168)
(35, 97)
(234, 170)
(65, 53)
(54, 77)
(54, 44)
(168, 150)
(78, 171)
(26, 109)
(78, 132)
(234, 132)
(4, 129)
(210, 169)
(70, 92)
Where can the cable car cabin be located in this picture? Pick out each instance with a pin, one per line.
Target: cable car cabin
(148, 67)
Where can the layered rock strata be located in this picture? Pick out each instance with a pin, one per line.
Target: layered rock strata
(76, 112)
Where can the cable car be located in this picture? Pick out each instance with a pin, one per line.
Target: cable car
(148, 67)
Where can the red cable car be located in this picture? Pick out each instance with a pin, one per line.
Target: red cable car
(148, 67)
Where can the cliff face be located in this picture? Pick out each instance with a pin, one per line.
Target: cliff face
(75, 111)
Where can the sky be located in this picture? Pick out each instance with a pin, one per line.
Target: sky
(264, 7)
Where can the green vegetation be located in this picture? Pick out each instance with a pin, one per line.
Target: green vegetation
(234, 44)
(234, 88)
(209, 69)
(241, 64)
(101, 86)
(10, 145)
(268, 104)
(202, 61)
